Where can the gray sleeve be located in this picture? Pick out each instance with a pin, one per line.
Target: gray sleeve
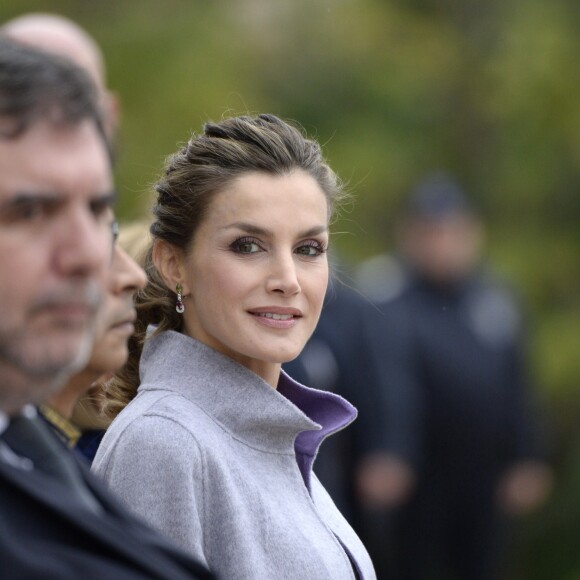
(154, 466)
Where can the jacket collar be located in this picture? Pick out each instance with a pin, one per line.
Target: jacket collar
(240, 401)
(3, 422)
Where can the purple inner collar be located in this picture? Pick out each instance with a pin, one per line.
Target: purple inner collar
(329, 410)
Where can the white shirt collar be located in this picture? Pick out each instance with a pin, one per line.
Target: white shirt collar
(27, 411)
(6, 454)
(3, 422)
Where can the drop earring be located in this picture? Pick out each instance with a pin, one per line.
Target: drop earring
(179, 307)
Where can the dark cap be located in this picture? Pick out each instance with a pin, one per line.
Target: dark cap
(438, 196)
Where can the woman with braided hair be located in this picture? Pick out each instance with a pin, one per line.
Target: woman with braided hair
(212, 442)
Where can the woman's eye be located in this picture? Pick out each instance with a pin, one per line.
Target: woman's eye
(310, 249)
(246, 246)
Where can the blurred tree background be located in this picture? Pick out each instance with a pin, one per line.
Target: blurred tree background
(392, 88)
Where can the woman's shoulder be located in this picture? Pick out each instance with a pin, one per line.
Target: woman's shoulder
(149, 430)
(159, 413)
(160, 420)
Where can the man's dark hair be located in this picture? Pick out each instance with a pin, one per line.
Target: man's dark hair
(438, 196)
(36, 85)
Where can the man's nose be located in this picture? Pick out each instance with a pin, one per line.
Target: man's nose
(126, 275)
(84, 243)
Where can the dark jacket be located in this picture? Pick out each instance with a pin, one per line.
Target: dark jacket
(460, 350)
(43, 536)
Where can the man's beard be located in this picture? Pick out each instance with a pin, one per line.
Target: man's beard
(32, 367)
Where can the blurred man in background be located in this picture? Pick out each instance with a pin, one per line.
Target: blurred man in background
(59, 35)
(451, 336)
(109, 353)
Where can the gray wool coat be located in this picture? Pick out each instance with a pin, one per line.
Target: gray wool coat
(221, 462)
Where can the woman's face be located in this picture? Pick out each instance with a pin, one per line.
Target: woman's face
(255, 278)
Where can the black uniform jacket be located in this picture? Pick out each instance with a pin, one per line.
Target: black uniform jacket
(44, 535)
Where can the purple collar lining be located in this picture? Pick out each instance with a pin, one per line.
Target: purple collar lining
(330, 411)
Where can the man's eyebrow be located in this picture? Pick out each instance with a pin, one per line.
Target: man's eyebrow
(259, 231)
(30, 198)
(24, 196)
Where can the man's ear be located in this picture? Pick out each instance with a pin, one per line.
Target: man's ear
(168, 260)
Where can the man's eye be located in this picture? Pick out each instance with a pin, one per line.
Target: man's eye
(100, 207)
(31, 212)
(28, 211)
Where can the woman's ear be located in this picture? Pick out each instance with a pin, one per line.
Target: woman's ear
(168, 260)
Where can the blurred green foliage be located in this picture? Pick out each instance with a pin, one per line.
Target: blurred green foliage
(392, 88)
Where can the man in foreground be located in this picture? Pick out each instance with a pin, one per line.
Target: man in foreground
(59, 35)
(56, 192)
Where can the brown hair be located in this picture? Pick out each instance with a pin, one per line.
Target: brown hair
(36, 86)
(204, 166)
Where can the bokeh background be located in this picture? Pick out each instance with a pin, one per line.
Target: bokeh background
(488, 90)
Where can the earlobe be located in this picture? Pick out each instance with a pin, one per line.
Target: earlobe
(168, 261)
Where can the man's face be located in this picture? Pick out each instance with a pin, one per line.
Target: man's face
(117, 315)
(55, 248)
(444, 250)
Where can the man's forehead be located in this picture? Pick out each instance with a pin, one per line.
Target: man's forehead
(52, 154)
(62, 37)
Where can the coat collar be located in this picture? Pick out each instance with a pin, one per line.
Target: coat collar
(3, 422)
(240, 401)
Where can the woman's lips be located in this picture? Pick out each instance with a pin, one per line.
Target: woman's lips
(277, 317)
